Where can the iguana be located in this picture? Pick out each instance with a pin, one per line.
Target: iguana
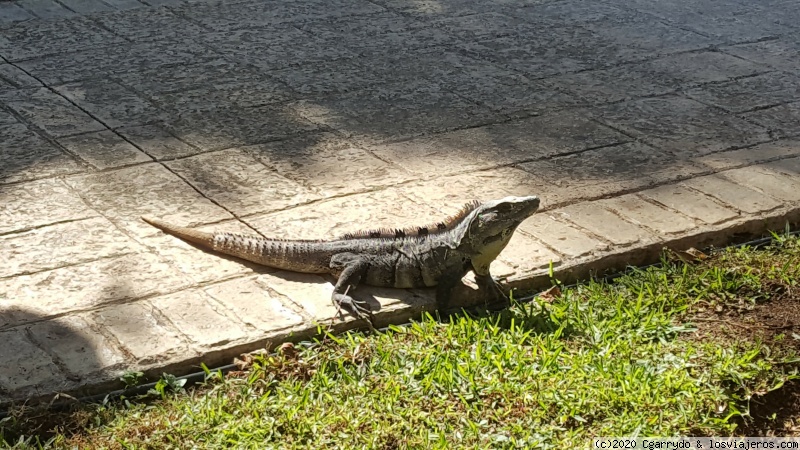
(435, 255)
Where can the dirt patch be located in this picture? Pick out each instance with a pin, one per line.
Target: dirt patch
(774, 414)
(776, 322)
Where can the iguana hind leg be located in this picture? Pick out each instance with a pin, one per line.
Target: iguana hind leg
(351, 269)
(444, 289)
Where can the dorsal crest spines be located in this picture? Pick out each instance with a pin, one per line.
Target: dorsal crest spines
(434, 228)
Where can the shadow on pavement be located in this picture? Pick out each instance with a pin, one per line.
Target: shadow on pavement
(42, 357)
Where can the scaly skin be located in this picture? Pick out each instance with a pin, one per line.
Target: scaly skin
(409, 258)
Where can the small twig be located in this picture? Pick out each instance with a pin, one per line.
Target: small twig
(749, 327)
(339, 307)
(727, 321)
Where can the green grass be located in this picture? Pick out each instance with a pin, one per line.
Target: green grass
(602, 359)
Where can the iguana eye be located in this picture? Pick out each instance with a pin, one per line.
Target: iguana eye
(489, 216)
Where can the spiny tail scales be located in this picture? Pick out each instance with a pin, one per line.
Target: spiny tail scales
(296, 256)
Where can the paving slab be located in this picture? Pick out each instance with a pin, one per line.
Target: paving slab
(681, 125)
(769, 151)
(649, 215)
(605, 224)
(691, 203)
(702, 67)
(232, 95)
(781, 53)
(201, 319)
(87, 285)
(320, 220)
(734, 194)
(143, 332)
(612, 169)
(37, 38)
(50, 112)
(528, 255)
(513, 141)
(529, 53)
(125, 195)
(86, 6)
(788, 166)
(665, 75)
(248, 14)
(198, 268)
(227, 128)
(38, 203)
(613, 84)
(104, 149)
(215, 84)
(75, 343)
(627, 28)
(8, 118)
(26, 156)
(274, 47)
(110, 103)
(238, 182)
(12, 77)
(378, 116)
(186, 77)
(98, 61)
(750, 93)
(770, 182)
(569, 241)
(11, 12)
(382, 70)
(61, 245)
(123, 5)
(491, 24)
(513, 96)
(156, 141)
(449, 193)
(148, 24)
(733, 21)
(160, 3)
(503, 90)
(328, 164)
(641, 125)
(427, 9)
(781, 120)
(378, 34)
(46, 9)
(26, 366)
(252, 304)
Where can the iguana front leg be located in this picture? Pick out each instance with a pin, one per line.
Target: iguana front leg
(351, 268)
(490, 288)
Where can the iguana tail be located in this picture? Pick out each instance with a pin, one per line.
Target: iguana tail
(187, 234)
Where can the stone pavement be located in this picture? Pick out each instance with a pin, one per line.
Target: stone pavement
(640, 124)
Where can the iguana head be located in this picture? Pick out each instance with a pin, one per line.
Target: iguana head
(491, 226)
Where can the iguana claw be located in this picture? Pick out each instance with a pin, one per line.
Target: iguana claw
(358, 308)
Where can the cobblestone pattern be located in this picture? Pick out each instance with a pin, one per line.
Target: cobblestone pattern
(640, 124)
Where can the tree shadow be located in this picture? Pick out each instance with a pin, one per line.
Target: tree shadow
(44, 357)
(230, 90)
